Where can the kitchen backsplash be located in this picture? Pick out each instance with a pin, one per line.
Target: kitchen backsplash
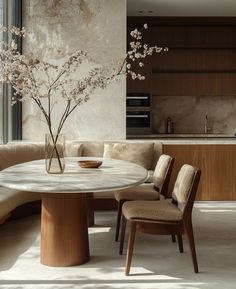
(188, 113)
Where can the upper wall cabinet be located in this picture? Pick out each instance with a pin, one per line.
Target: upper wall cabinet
(192, 84)
(201, 59)
(195, 36)
(195, 60)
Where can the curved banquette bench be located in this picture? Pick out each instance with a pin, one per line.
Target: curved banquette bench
(12, 154)
(145, 153)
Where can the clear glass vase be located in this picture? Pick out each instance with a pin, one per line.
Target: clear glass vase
(54, 153)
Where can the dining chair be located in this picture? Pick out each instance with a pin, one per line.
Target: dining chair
(147, 191)
(164, 217)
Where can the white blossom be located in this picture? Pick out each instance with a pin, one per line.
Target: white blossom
(45, 82)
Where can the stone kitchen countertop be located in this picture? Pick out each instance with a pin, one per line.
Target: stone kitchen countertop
(189, 138)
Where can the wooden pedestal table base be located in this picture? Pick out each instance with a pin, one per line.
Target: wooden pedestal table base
(64, 231)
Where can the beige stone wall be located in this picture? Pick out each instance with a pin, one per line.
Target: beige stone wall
(1, 88)
(55, 29)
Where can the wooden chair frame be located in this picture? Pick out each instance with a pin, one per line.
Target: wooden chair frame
(163, 192)
(164, 228)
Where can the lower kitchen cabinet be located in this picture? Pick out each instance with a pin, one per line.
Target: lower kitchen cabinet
(217, 163)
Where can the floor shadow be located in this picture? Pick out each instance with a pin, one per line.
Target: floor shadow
(16, 237)
(156, 263)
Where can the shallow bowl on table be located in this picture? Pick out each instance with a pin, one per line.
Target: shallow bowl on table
(90, 164)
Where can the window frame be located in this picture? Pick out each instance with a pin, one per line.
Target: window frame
(12, 115)
(17, 107)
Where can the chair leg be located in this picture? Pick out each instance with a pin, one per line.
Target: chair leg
(173, 238)
(189, 232)
(119, 210)
(180, 243)
(122, 237)
(130, 248)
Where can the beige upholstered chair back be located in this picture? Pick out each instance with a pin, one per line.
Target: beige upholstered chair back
(183, 184)
(162, 172)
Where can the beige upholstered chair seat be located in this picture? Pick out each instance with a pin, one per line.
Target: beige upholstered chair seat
(162, 210)
(142, 192)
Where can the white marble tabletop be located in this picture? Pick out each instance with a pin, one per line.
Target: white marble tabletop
(112, 175)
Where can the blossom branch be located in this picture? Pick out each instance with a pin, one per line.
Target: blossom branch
(35, 79)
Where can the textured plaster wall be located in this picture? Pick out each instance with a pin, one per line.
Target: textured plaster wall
(55, 29)
(1, 92)
(188, 113)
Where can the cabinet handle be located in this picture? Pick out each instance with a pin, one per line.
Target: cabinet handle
(137, 97)
(137, 116)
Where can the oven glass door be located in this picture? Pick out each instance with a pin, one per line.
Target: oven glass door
(138, 100)
(138, 119)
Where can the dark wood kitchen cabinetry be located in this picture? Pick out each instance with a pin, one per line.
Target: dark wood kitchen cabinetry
(194, 83)
(201, 59)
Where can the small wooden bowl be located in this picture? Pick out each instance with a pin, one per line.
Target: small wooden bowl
(90, 164)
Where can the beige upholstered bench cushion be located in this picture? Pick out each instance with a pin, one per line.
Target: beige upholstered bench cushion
(162, 210)
(140, 153)
(93, 149)
(149, 177)
(12, 154)
(73, 149)
(16, 153)
(141, 192)
(10, 199)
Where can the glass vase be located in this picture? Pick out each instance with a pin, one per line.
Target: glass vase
(54, 153)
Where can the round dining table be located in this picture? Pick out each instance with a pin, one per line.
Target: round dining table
(64, 230)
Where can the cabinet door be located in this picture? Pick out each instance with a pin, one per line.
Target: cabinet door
(192, 84)
(218, 166)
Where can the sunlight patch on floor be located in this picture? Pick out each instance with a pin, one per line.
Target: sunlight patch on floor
(95, 230)
(217, 210)
(216, 204)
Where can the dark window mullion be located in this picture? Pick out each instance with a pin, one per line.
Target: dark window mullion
(17, 107)
(5, 86)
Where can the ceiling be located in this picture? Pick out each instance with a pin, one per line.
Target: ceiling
(181, 7)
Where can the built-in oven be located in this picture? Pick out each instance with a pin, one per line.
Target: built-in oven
(138, 100)
(138, 119)
(138, 114)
